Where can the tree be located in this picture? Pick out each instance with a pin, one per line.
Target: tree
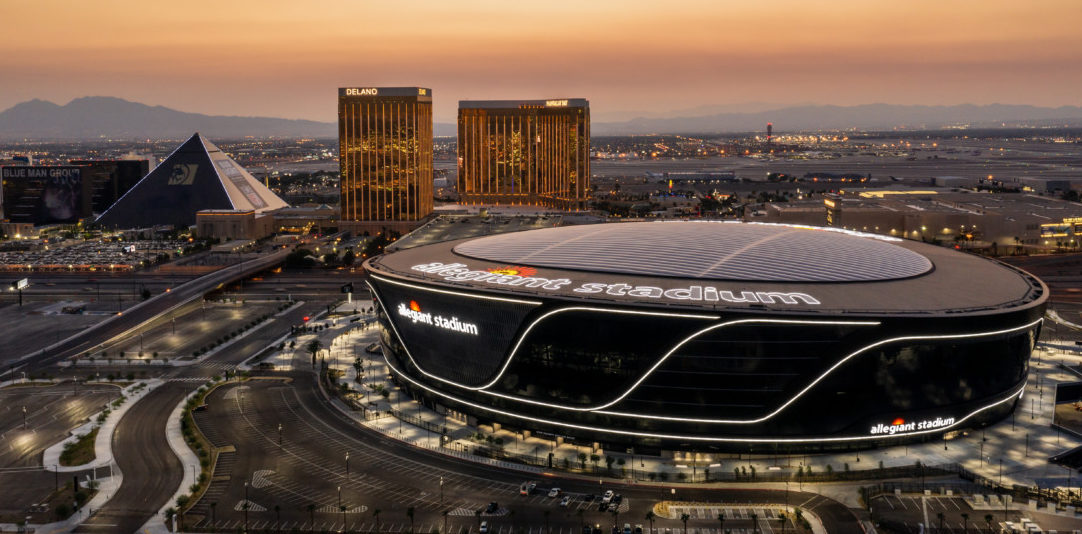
(684, 518)
(965, 523)
(375, 514)
(582, 459)
(313, 347)
(988, 518)
(609, 460)
(781, 519)
(277, 518)
(721, 522)
(940, 517)
(409, 513)
(596, 460)
(650, 517)
(348, 258)
(754, 522)
(311, 517)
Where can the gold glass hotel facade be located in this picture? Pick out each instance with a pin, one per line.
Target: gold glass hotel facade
(528, 152)
(385, 155)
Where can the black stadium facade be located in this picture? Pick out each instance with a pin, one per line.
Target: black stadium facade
(709, 335)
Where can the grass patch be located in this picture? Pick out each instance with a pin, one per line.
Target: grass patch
(80, 451)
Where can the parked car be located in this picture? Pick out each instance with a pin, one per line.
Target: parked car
(554, 492)
(484, 527)
(565, 501)
(493, 507)
(607, 497)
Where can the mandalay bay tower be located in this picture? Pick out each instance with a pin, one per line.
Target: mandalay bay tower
(527, 152)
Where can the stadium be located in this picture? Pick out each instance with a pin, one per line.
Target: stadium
(713, 336)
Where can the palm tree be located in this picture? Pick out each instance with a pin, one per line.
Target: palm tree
(754, 522)
(650, 517)
(409, 513)
(940, 517)
(721, 522)
(965, 521)
(988, 518)
(277, 518)
(684, 518)
(313, 347)
(781, 519)
(375, 513)
(311, 518)
(342, 508)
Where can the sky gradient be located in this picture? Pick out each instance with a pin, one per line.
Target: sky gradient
(629, 58)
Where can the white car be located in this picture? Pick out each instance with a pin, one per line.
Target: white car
(554, 492)
(484, 527)
(607, 497)
(566, 501)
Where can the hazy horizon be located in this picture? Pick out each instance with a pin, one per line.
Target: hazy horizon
(630, 59)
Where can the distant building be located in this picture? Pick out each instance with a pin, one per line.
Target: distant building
(105, 181)
(196, 176)
(231, 225)
(534, 152)
(385, 156)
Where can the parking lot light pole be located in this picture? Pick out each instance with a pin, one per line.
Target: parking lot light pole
(279, 435)
(247, 504)
(347, 465)
(24, 417)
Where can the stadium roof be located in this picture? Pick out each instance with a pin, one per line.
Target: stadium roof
(196, 176)
(715, 265)
(705, 250)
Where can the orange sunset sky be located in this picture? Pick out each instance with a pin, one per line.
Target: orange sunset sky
(630, 58)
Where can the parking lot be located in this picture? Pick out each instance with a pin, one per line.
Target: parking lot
(910, 511)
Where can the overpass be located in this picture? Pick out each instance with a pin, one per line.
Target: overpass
(141, 313)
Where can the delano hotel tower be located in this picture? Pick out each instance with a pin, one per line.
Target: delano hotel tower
(385, 154)
(532, 152)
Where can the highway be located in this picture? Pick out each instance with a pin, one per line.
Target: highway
(115, 326)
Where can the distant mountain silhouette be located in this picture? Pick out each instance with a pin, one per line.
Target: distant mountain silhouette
(99, 116)
(863, 117)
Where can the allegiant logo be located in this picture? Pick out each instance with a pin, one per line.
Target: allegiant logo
(415, 315)
(899, 426)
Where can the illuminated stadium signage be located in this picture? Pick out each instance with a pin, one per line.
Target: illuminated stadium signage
(521, 276)
(416, 316)
(900, 426)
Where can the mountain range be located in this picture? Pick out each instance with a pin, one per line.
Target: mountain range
(114, 118)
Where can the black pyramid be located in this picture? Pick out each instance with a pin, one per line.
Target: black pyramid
(196, 176)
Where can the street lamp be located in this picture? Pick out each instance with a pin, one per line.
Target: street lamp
(279, 435)
(24, 417)
(347, 465)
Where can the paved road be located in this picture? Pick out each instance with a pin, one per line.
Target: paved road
(385, 474)
(152, 472)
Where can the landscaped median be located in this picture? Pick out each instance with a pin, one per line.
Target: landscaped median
(189, 444)
(90, 446)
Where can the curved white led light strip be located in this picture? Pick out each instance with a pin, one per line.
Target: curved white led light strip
(600, 409)
(813, 382)
(521, 338)
(1009, 397)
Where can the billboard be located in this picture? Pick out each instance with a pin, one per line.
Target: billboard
(43, 195)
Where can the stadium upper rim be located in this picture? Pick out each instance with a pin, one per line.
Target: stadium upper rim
(719, 250)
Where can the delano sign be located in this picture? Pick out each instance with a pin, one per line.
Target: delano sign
(362, 91)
